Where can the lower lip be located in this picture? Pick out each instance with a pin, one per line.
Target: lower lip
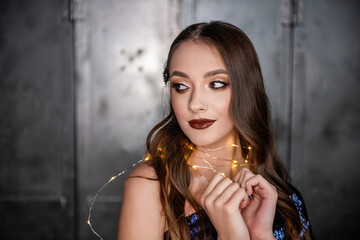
(201, 125)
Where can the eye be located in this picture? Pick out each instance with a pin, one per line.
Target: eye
(218, 84)
(179, 87)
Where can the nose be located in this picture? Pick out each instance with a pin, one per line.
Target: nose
(197, 101)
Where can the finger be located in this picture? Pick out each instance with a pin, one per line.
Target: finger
(260, 185)
(227, 193)
(239, 199)
(245, 174)
(213, 182)
(220, 187)
(237, 176)
(214, 189)
(240, 174)
(244, 203)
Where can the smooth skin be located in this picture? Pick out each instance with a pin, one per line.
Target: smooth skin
(200, 88)
(141, 214)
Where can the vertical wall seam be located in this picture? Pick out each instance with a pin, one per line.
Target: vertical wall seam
(73, 10)
(293, 21)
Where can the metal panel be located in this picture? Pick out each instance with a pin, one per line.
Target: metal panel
(120, 52)
(326, 133)
(36, 121)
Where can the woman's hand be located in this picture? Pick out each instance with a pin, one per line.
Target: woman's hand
(222, 200)
(260, 211)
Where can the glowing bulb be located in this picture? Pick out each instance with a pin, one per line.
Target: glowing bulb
(112, 178)
(234, 161)
(249, 148)
(246, 161)
(147, 158)
(234, 165)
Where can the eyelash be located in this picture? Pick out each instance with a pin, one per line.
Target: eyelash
(177, 86)
(223, 84)
(212, 85)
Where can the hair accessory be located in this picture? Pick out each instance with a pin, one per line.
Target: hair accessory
(165, 76)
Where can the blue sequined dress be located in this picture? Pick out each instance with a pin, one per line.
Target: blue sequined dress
(278, 226)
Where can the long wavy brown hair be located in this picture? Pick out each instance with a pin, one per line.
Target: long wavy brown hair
(168, 147)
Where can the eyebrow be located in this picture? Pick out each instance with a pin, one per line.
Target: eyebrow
(206, 75)
(215, 72)
(179, 74)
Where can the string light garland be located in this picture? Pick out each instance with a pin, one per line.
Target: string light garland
(235, 164)
(98, 192)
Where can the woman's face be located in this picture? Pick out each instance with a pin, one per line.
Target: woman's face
(200, 94)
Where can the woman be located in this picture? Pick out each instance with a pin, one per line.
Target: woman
(211, 170)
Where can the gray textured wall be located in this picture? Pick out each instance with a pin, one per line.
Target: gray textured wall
(36, 121)
(81, 86)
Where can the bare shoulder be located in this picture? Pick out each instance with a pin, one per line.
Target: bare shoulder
(142, 183)
(143, 170)
(141, 206)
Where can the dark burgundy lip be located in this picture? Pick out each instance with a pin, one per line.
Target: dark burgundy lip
(201, 123)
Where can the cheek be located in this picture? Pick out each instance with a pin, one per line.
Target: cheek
(222, 105)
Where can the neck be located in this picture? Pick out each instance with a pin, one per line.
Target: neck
(230, 139)
(225, 158)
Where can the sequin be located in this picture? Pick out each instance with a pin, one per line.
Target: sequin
(298, 205)
(279, 233)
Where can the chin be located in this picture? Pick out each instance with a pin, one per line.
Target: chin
(205, 142)
(210, 141)
(199, 141)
